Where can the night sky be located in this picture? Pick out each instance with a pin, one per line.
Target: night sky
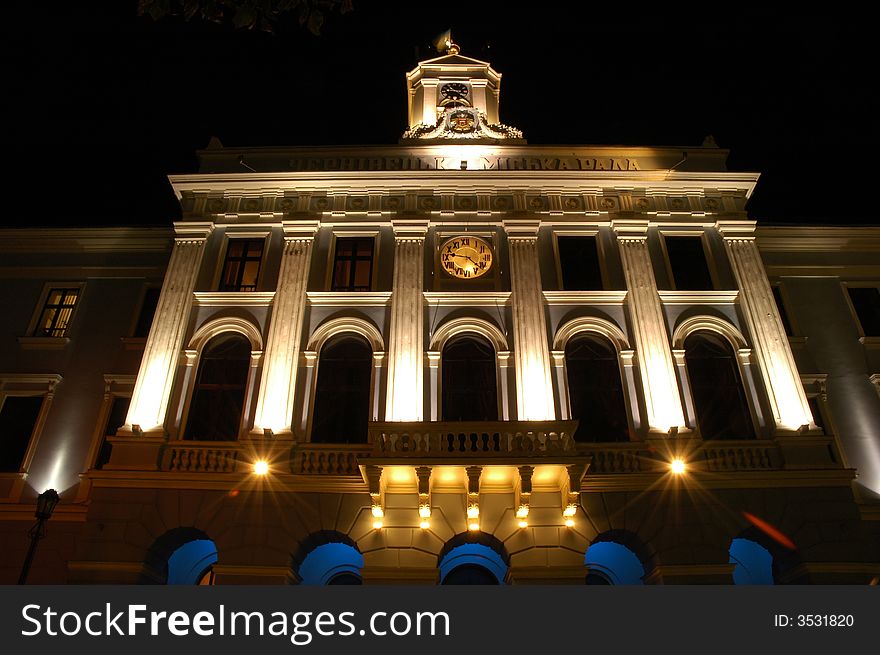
(102, 104)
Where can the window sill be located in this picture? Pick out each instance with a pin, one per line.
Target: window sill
(133, 343)
(43, 343)
(870, 342)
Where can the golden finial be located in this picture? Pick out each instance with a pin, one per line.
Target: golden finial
(452, 48)
(444, 43)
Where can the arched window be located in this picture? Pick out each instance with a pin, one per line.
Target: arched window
(342, 392)
(595, 389)
(753, 563)
(611, 563)
(218, 396)
(469, 383)
(719, 397)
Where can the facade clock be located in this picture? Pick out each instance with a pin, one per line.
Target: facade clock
(466, 257)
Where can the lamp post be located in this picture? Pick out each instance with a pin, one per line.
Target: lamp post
(46, 503)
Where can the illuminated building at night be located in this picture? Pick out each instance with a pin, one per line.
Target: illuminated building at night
(457, 359)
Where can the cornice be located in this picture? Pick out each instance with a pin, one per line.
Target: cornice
(466, 299)
(584, 297)
(349, 298)
(723, 297)
(233, 298)
(806, 238)
(83, 240)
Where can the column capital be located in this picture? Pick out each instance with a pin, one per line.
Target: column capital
(433, 358)
(630, 228)
(192, 231)
(526, 228)
(410, 229)
(736, 229)
(299, 229)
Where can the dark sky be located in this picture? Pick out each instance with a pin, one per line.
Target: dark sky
(101, 105)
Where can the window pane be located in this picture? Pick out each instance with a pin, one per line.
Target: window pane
(866, 302)
(687, 259)
(47, 322)
(342, 392)
(241, 270)
(17, 420)
(719, 397)
(362, 275)
(595, 390)
(148, 310)
(579, 262)
(352, 264)
(469, 390)
(777, 295)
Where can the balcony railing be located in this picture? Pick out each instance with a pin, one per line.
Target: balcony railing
(327, 459)
(471, 441)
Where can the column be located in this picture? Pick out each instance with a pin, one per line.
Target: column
(404, 397)
(434, 383)
(534, 384)
(376, 383)
(311, 358)
(627, 358)
(788, 402)
(152, 390)
(503, 358)
(281, 357)
(662, 399)
(561, 383)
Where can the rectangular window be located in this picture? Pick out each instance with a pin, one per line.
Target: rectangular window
(687, 262)
(57, 310)
(115, 420)
(579, 263)
(353, 264)
(780, 305)
(17, 420)
(866, 302)
(241, 269)
(148, 310)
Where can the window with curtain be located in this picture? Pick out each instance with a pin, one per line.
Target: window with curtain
(469, 383)
(342, 391)
(595, 389)
(218, 396)
(717, 389)
(57, 311)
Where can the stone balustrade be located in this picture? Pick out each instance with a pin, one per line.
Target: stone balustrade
(458, 441)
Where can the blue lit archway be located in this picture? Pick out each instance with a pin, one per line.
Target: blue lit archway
(473, 559)
(613, 563)
(753, 563)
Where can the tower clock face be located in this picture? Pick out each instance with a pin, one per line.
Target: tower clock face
(454, 90)
(466, 257)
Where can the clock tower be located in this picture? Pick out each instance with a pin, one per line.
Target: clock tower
(455, 98)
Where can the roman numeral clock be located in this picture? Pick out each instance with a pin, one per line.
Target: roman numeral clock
(466, 257)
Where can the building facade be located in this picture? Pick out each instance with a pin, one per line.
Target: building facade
(457, 359)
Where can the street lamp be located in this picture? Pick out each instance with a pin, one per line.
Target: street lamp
(46, 503)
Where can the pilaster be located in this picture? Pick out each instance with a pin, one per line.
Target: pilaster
(788, 402)
(152, 389)
(404, 397)
(662, 397)
(534, 383)
(281, 357)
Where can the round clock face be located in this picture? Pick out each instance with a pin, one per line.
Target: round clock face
(454, 90)
(466, 257)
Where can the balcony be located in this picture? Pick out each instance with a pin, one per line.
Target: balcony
(478, 442)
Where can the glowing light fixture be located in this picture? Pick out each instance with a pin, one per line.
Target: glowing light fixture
(377, 524)
(261, 467)
(425, 511)
(378, 512)
(677, 466)
(570, 510)
(522, 523)
(473, 514)
(425, 524)
(569, 522)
